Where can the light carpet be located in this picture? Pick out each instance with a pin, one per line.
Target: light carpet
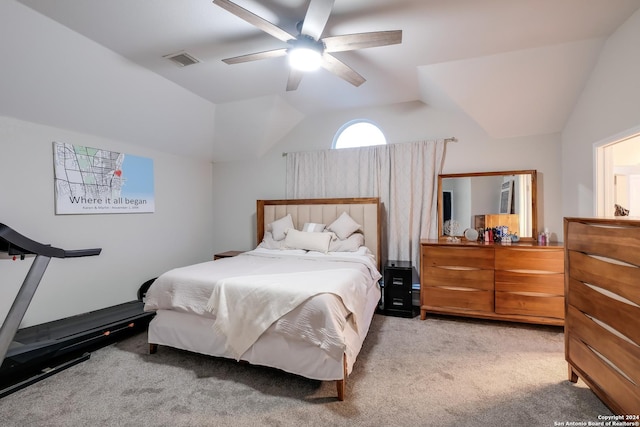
(437, 372)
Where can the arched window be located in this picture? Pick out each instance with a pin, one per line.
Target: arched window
(358, 133)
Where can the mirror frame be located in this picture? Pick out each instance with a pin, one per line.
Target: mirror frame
(534, 196)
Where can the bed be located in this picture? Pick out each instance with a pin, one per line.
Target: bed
(292, 303)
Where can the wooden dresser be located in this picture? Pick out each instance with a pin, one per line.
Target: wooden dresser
(602, 330)
(520, 282)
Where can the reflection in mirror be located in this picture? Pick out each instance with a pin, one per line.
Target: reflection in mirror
(491, 199)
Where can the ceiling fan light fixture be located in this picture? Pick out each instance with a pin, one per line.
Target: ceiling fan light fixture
(306, 54)
(304, 59)
(308, 50)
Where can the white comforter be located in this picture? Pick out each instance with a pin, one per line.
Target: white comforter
(318, 316)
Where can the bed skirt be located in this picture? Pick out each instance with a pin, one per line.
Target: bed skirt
(195, 333)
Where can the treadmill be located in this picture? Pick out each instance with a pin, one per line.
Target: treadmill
(34, 353)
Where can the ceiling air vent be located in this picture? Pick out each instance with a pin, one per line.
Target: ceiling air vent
(182, 59)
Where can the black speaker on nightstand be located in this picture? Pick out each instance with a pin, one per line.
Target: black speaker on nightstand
(398, 290)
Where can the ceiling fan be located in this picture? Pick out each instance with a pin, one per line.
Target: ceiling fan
(309, 42)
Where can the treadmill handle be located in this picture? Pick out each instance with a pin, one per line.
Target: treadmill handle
(14, 242)
(82, 252)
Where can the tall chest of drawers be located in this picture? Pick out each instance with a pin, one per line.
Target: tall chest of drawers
(521, 282)
(602, 331)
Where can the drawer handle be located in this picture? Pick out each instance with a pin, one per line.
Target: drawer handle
(533, 271)
(457, 267)
(532, 294)
(459, 288)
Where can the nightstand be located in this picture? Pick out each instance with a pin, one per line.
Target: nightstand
(227, 254)
(398, 292)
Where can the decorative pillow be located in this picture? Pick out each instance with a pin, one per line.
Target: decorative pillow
(280, 226)
(363, 250)
(307, 240)
(313, 227)
(268, 242)
(350, 244)
(344, 226)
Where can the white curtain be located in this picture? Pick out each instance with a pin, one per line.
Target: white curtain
(404, 176)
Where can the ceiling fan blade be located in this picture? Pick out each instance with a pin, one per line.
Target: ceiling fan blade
(254, 20)
(316, 18)
(294, 79)
(362, 40)
(256, 56)
(342, 70)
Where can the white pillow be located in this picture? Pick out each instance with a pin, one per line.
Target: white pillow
(313, 227)
(344, 226)
(268, 242)
(284, 252)
(363, 250)
(307, 240)
(280, 226)
(350, 244)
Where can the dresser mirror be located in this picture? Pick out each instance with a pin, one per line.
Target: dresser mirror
(488, 199)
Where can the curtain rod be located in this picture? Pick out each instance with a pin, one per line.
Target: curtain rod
(451, 139)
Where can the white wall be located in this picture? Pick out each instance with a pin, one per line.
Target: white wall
(135, 247)
(608, 106)
(627, 153)
(54, 81)
(238, 184)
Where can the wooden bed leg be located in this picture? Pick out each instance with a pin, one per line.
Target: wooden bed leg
(341, 385)
(573, 377)
(153, 348)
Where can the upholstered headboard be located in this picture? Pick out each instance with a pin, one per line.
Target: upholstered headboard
(365, 211)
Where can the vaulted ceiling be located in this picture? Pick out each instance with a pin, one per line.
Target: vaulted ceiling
(516, 67)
